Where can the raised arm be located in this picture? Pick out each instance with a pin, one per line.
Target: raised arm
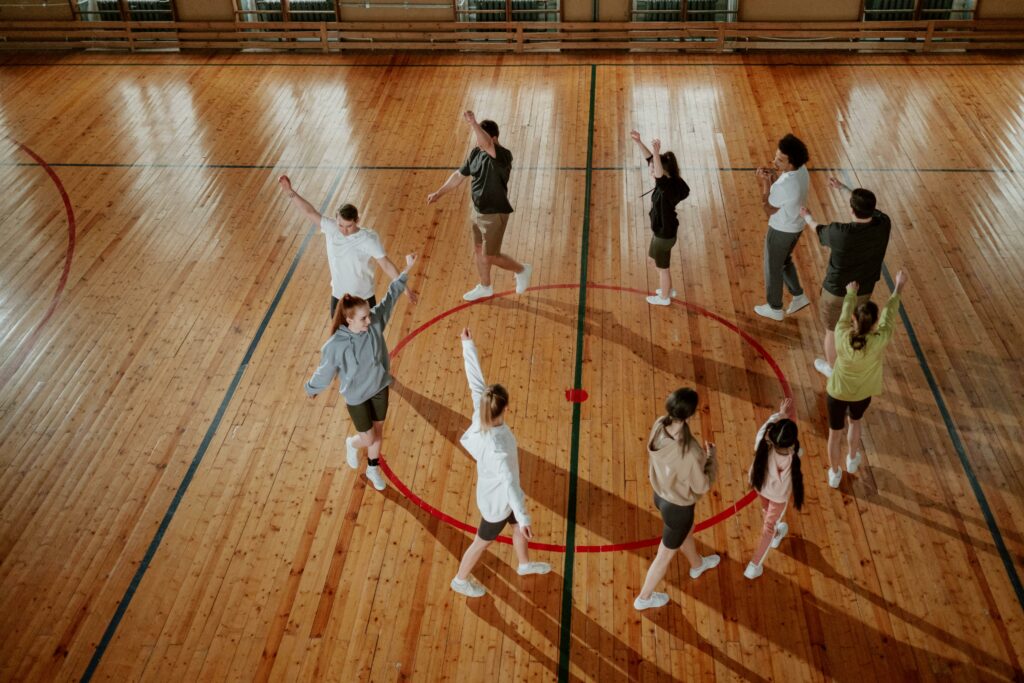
(300, 203)
(635, 136)
(392, 272)
(474, 374)
(453, 181)
(888, 316)
(659, 170)
(483, 140)
(386, 307)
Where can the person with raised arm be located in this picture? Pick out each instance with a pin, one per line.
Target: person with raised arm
(490, 165)
(358, 355)
(351, 250)
(499, 495)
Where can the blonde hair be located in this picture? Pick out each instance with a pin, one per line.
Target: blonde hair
(492, 405)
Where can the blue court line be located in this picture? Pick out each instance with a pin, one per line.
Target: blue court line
(958, 446)
(133, 586)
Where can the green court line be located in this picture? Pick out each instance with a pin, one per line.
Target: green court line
(565, 636)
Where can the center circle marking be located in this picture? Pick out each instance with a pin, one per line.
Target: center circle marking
(632, 545)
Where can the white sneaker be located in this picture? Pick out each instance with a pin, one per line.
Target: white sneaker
(797, 303)
(671, 296)
(658, 301)
(767, 311)
(822, 366)
(533, 568)
(478, 292)
(781, 529)
(523, 278)
(706, 563)
(834, 477)
(351, 453)
(470, 588)
(373, 473)
(656, 600)
(753, 571)
(852, 464)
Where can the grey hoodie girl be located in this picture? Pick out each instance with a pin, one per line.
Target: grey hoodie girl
(360, 360)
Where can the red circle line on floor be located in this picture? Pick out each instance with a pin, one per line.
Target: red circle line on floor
(17, 360)
(632, 545)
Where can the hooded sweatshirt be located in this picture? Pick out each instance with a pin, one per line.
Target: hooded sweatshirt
(680, 472)
(359, 359)
(778, 477)
(498, 491)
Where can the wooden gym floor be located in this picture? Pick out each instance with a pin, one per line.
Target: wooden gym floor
(172, 507)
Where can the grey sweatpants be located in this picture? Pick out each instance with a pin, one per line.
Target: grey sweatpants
(778, 265)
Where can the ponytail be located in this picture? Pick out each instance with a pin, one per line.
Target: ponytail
(346, 309)
(492, 405)
(864, 318)
(782, 434)
(680, 406)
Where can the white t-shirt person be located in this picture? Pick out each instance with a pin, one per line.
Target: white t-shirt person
(788, 194)
(351, 259)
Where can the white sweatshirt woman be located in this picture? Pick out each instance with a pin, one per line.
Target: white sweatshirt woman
(498, 492)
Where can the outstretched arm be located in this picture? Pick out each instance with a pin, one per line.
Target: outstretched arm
(837, 184)
(454, 180)
(635, 136)
(483, 140)
(474, 375)
(300, 203)
(392, 272)
(659, 170)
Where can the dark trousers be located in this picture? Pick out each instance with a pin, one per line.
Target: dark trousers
(779, 267)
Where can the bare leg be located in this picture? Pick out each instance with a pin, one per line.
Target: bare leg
(363, 439)
(853, 437)
(373, 449)
(472, 555)
(505, 262)
(835, 445)
(483, 265)
(830, 347)
(520, 544)
(665, 282)
(689, 549)
(657, 571)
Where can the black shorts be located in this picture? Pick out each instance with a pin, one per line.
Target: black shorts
(366, 413)
(334, 303)
(678, 522)
(837, 411)
(661, 251)
(489, 531)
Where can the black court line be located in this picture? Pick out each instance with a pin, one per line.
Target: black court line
(390, 65)
(453, 166)
(961, 452)
(147, 559)
(565, 627)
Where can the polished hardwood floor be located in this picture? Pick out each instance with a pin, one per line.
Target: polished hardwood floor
(172, 506)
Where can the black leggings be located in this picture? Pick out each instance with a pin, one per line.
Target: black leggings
(678, 522)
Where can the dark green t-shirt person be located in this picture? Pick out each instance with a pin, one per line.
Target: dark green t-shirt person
(490, 179)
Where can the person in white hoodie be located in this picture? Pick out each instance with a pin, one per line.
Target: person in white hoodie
(775, 475)
(498, 493)
(358, 355)
(680, 472)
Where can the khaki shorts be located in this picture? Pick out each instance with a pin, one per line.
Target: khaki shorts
(830, 307)
(489, 230)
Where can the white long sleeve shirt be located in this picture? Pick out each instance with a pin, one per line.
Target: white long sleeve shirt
(498, 491)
